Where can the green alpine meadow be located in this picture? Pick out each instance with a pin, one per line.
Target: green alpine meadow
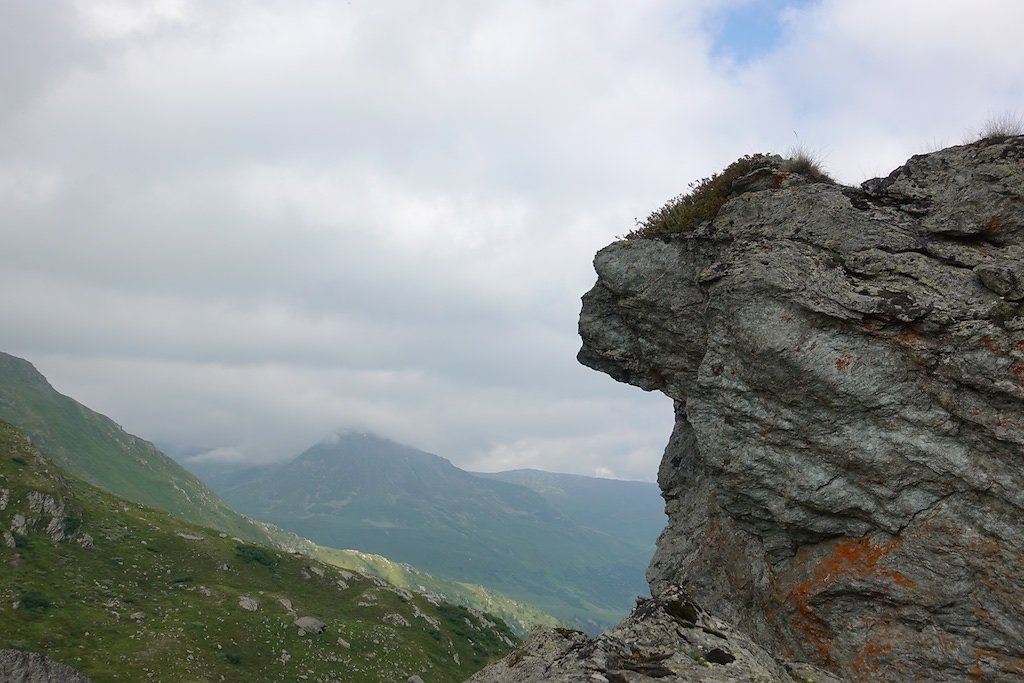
(94, 448)
(124, 592)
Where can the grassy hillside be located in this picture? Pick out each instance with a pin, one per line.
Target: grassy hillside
(519, 616)
(361, 491)
(94, 448)
(124, 592)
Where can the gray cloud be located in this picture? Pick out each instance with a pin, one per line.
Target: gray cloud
(236, 228)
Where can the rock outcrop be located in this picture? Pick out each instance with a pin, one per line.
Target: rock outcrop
(40, 503)
(843, 482)
(31, 667)
(669, 638)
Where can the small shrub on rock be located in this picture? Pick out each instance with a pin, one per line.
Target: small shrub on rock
(999, 128)
(701, 203)
(801, 160)
(708, 195)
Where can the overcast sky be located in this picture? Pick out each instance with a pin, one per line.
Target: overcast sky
(234, 227)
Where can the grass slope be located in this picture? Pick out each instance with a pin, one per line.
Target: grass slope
(94, 448)
(519, 616)
(124, 592)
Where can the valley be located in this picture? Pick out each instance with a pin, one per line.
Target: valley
(125, 592)
(546, 539)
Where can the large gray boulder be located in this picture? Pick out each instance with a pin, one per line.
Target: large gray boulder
(17, 666)
(310, 625)
(844, 480)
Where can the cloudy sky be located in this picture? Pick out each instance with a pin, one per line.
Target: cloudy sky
(236, 226)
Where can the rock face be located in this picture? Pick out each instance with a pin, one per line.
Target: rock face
(843, 481)
(668, 638)
(30, 667)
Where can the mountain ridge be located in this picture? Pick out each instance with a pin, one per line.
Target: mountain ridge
(122, 591)
(93, 447)
(362, 491)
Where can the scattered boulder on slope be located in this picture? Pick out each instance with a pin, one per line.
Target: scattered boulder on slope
(310, 625)
(843, 482)
(247, 602)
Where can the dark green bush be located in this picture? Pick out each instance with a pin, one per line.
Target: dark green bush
(35, 600)
(705, 198)
(256, 554)
(71, 525)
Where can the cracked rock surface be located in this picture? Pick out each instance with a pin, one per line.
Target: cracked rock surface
(845, 478)
(30, 667)
(669, 638)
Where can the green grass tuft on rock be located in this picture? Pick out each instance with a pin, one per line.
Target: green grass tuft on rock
(708, 195)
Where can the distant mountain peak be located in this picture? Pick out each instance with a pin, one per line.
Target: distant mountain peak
(14, 368)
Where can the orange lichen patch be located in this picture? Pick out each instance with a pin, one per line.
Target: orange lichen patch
(866, 662)
(815, 632)
(1000, 660)
(798, 349)
(992, 346)
(843, 362)
(776, 180)
(909, 337)
(996, 223)
(786, 317)
(1018, 371)
(1020, 345)
(872, 325)
(986, 547)
(902, 580)
(855, 557)
(850, 557)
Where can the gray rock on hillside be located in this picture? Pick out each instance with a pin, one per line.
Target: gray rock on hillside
(310, 625)
(843, 482)
(17, 666)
